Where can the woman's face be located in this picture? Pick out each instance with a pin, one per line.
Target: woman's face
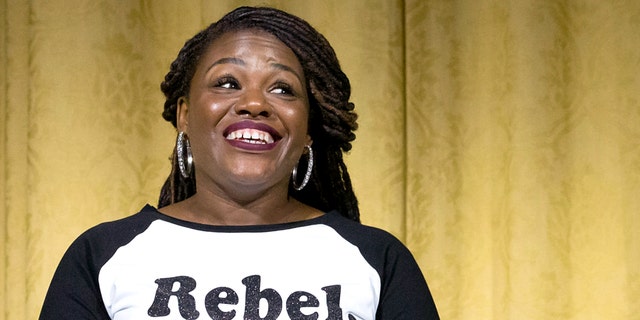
(246, 114)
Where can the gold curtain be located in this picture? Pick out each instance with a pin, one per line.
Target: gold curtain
(500, 140)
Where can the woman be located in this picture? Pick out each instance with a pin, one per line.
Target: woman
(257, 219)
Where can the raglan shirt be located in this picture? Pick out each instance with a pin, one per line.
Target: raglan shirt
(152, 266)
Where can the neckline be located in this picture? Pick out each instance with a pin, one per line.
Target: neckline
(237, 228)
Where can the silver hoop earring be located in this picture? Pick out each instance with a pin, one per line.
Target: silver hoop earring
(307, 175)
(183, 149)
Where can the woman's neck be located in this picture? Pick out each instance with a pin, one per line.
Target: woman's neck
(213, 209)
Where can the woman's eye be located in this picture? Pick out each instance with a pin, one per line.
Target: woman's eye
(227, 83)
(282, 88)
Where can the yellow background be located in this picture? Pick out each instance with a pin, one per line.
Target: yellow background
(500, 140)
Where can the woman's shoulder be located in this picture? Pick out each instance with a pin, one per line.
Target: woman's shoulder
(357, 231)
(384, 251)
(131, 224)
(106, 237)
(372, 241)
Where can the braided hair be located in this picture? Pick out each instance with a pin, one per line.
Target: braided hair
(332, 120)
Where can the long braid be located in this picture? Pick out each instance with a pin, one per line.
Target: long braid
(176, 85)
(331, 120)
(176, 82)
(177, 188)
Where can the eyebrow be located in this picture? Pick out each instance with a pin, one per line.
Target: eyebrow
(288, 69)
(226, 60)
(241, 62)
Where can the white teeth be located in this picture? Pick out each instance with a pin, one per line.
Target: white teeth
(251, 136)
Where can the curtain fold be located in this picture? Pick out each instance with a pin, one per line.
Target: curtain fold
(14, 209)
(523, 156)
(500, 140)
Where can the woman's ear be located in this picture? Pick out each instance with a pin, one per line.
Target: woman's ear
(182, 112)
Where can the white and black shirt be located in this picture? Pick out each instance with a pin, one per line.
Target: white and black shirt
(151, 266)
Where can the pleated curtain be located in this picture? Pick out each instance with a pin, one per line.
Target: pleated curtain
(499, 140)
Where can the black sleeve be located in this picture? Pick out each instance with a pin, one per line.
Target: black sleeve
(74, 293)
(405, 294)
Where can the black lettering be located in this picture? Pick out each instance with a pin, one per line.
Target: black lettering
(299, 300)
(333, 302)
(253, 297)
(214, 298)
(186, 302)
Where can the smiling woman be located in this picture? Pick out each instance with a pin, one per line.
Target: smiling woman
(319, 80)
(256, 97)
(248, 84)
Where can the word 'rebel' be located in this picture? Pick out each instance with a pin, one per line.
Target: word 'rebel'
(294, 303)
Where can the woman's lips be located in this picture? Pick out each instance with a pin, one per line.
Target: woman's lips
(251, 135)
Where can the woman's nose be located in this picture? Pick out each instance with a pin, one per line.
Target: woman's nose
(254, 104)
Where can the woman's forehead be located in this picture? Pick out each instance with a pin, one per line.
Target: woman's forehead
(250, 35)
(249, 43)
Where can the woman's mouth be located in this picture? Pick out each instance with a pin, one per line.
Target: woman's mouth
(252, 135)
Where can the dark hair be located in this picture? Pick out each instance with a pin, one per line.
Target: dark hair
(331, 116)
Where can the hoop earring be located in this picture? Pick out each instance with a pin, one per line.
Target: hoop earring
(307, 175)
(183, 148)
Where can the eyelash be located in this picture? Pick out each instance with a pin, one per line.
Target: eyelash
(286, 88)
(229, 82)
